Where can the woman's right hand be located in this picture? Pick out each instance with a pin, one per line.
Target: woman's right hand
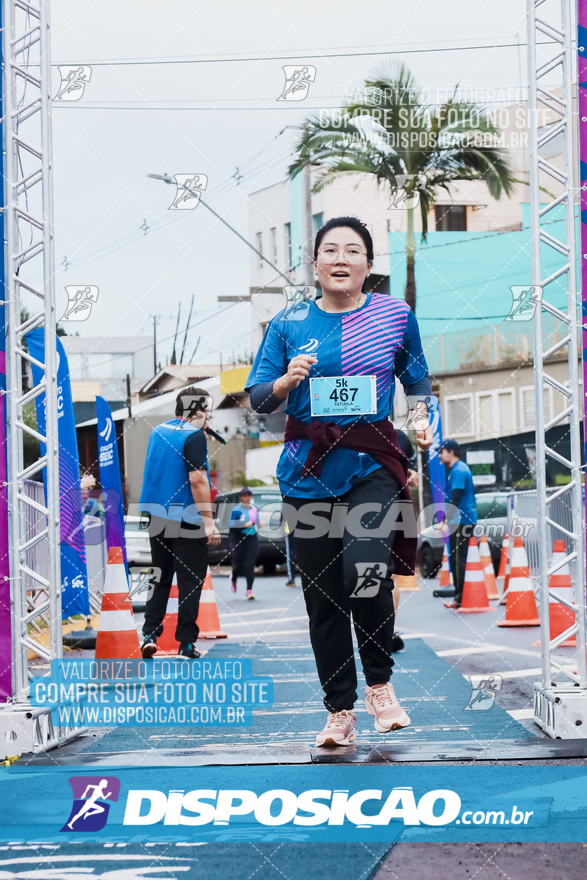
(297, 370)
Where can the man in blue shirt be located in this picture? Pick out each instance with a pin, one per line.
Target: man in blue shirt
(176, 493)
(460, 492)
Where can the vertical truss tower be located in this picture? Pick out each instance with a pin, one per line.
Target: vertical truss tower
(30, 304)
(560, 700)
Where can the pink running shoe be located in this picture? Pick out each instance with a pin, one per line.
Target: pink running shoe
(339, 730)
(382, 703)
(233, 586)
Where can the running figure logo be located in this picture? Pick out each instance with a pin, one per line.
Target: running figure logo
(370, 575)
(297, 82)
(80, 300)
(298, 302)
(189, 189)
(400, 198)
(483, 691)
(73, 83)
(524, 301)
(146, 579)
(90, 802)
(420, 413)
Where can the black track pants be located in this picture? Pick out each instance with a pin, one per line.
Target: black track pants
(459, 546)
(346, 571)
(188, 558)
(243, 554)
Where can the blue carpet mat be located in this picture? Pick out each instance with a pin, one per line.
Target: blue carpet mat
(431, 691)
(237, 861)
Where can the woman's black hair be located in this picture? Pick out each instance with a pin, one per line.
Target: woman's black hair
(353, 223)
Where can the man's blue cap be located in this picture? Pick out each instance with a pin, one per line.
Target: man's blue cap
(451, 446)
(245, 491)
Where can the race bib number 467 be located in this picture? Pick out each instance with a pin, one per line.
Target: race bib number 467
(343, 395)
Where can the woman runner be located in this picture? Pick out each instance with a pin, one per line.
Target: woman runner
(243, 542)
(342, 476)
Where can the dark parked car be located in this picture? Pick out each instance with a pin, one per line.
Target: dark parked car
(491, 514)
(271, 533)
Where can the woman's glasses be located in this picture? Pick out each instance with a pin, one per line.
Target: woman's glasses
(351, 254)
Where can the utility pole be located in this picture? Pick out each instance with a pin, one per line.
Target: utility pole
(128, 396)
(154, 345)
(308, 231)
(287, 280)
(187, 327)
(308, 251)
(174, 352)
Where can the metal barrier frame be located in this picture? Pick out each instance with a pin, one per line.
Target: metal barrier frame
(548, 708)
(29, 250)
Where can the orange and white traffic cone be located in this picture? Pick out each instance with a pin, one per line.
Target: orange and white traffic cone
(521, 607)
(117, 633)
(505, 563)
(506, 583)
(504, 556)
(166, 643)
(445, 572)
(560, 616)
(488, 569)
(208, 620)
(474, 591)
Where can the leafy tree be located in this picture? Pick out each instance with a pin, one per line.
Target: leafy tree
(410, 148)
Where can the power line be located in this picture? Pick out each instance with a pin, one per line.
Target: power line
(300, 57)
(110, 106)
(426, 247)
(137, 234)
(150, 105)
(222, 220)
(166, 338)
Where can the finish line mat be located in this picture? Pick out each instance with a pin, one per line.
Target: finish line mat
(431, 691)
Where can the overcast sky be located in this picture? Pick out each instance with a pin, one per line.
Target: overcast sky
(212, 117)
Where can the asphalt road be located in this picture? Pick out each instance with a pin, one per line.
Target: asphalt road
(470, 643)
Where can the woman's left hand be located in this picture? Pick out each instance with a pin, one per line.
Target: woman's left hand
(424, 435)
(420, 424)
(413, 478)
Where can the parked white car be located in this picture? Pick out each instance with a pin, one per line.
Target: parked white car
(136, 534)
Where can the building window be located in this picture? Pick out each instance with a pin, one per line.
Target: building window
(459, 416)
(495, 412)
(260, 247)
(528, 405)
(451, 218)
(287, 229)
(317, 221)
(273, 240)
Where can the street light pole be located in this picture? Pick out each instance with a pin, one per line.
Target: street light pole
(169, 179)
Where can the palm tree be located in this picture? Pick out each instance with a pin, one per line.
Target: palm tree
(411, 148)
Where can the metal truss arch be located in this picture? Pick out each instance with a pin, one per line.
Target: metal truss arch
(551, 115)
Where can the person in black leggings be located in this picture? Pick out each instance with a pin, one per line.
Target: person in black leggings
(243, 542)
